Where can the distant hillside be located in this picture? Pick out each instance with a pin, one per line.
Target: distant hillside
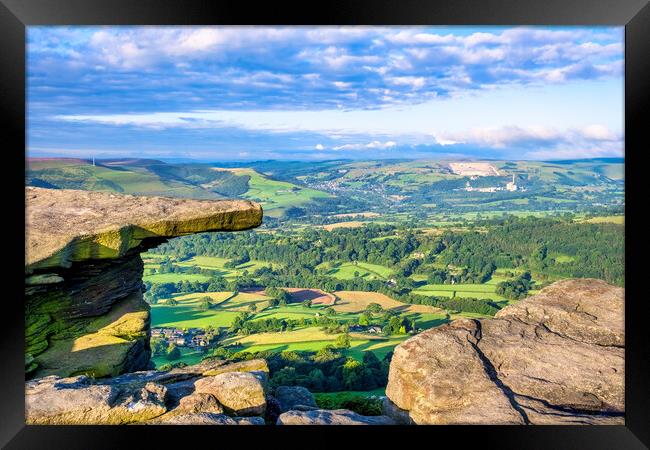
(110, 176)
(325, 188)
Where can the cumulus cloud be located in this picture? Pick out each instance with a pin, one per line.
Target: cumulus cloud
(308, 62)
(369, 146)
(347, 88)
(541, 141)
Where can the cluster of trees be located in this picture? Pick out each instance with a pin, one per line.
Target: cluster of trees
(515, 289)
(445, 276)
(167, 266)
(160, 347)
(327, 370)
(596, 249)
(242, 258)
(242, 324)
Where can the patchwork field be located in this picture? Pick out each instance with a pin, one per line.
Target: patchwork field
(606, 219)
(350, 224)
(358, 301)
(276, 196)
(216, 263)
(313, 339)
(316, 296)
(346, 271)
(481, 291)
(174, 277)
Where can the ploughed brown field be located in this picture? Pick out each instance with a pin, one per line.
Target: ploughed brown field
(358, 301)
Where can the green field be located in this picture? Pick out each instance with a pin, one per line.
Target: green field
(607, 219)
(366, 270)
(217, 264)
(275, 196)
(134, 180)
(481, 291)
(188, 356)
(174, 277)
(313, 339)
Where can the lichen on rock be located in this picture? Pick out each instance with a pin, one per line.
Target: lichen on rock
(84, 312)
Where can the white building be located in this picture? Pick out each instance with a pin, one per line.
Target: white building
(511, 186)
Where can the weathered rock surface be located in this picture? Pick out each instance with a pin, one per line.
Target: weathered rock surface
(200, 402)
(78, 400)
(64, 225)
(152, 397)
(83, 289)
(331, 417)
(240, 393)
(554, 358)
(290, 397)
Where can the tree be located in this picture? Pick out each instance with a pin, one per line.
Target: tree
(364, 320)
(342, 341)
(172, 302)
(159, 347)
(374, 308)
(173, 352)
(205, 303)
(307, 303)
(252, 307)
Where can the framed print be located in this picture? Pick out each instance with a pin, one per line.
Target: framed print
(408, 217)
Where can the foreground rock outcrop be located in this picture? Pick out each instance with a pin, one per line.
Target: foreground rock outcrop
(238, 395)
(83, 273)
(187, 395)
(553, 358)
(331, 417)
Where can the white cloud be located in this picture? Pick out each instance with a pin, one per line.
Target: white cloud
(341, 84)
(534, 136)
(320, 147)
(369, 146)
(413, 82)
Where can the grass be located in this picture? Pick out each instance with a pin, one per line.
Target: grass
(174, 277)
(133, 180)
(481, 291)
(276, 196)
(313, 339)
(188, 356)
(217, 264)
(366, 270)
(606, 219)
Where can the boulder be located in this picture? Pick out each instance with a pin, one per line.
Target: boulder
(250, 420)
(553, 358)
(240, 393)
(200, 402)
(253, 365)
(291, 396)
(331, 417)
(80, 400)
(202, 418)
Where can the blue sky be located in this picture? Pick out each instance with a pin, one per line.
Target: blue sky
(252, 93)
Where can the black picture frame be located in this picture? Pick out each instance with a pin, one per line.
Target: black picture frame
(15, 15)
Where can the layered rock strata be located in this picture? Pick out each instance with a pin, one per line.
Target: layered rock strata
(84, 312)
